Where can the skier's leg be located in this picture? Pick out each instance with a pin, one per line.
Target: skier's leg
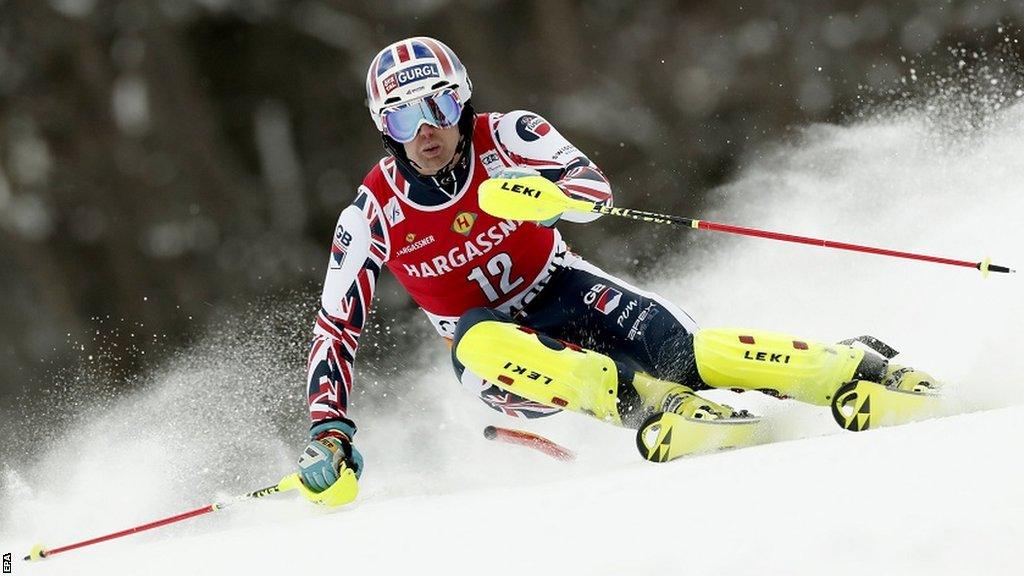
(590, 307)
(559, 374)
(784, 365)
(584, 304)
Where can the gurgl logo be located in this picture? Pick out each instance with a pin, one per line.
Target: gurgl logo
(411, 74)
(531, 127)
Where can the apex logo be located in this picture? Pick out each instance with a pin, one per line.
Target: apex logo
(464, 222)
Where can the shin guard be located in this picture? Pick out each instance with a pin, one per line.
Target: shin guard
(781, 365)
(542, 369)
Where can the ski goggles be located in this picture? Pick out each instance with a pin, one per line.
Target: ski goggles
(440, 110)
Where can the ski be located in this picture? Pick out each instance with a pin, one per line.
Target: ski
(862, 405)
(857, 406)
(666, 436)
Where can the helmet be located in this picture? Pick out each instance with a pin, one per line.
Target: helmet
(410, 69)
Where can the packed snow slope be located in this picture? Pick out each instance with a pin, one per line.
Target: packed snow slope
(939, 497)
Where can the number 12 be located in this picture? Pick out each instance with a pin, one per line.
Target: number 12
(500, 264)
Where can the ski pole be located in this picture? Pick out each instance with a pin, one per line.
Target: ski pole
(286, 483)
(343, 491)
(534, 198)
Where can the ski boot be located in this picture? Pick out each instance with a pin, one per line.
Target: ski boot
(688, 424)
(662, 396)
(910, 380)
(858, 383)
(903, 395)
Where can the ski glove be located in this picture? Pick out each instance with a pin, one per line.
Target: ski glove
(329, 449)
(513, 172)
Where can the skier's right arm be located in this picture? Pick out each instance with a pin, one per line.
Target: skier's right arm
(357, 254)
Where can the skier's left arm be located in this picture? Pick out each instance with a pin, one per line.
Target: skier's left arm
(532, 142)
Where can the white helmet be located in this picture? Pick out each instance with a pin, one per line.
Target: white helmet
(411, 69)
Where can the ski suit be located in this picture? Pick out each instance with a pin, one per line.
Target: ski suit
(452, 257)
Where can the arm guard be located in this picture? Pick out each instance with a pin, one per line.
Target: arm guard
(530, 141)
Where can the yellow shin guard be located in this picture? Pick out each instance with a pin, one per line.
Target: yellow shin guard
(559, 375)
(542, 369)
(781, 365)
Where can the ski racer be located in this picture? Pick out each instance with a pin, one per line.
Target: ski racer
(533, 327)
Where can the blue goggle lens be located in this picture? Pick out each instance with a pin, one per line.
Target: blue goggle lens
(439, 110)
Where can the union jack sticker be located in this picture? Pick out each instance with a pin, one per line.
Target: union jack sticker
(608, 301)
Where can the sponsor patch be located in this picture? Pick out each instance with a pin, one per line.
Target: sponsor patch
(472, 248)
(604, 299)
(527, 372)
(624, 315)
(532, 127)
(492, 163)
(566, 149)
(608, 301)
(393, 211)
(642, 319)
(409, 75)
(414, 244)
(463, 222)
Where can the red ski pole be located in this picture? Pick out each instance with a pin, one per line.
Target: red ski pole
(38, 552)
(985, 265)
(289, 482)
(536, 199)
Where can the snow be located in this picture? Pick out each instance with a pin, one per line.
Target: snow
(937, 497)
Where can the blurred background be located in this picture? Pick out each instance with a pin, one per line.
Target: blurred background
(167, 166)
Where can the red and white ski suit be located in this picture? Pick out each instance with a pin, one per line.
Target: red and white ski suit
(450, 257)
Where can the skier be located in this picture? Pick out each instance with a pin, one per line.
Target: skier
(533, 327)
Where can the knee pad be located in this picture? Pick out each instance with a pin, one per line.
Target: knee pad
(535, 366)
(471, 318)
